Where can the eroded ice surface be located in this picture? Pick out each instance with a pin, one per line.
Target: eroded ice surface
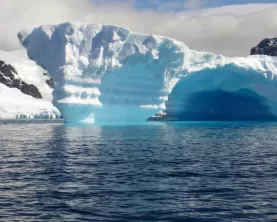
(107, 73)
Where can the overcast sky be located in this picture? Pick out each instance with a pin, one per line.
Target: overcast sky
(229, 30)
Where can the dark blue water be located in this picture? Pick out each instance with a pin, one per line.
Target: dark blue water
(151, 172)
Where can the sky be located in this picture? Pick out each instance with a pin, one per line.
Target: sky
(179, 5)
(227, 27)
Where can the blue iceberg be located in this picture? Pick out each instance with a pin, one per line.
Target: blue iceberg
(106, 73)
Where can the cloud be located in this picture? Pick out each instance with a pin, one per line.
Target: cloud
(194, 4)
(230, 30)
(18, 14)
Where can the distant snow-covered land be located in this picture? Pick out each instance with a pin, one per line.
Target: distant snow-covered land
(25, 91)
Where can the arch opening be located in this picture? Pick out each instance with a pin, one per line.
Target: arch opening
(219, 105)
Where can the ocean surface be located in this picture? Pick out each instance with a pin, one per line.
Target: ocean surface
(50, 171)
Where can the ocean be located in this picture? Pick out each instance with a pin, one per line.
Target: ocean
(164, 171)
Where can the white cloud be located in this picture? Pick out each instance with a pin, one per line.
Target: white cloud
(194, 4)
(231, 30)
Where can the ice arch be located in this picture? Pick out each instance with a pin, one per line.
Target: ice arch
(225, 93)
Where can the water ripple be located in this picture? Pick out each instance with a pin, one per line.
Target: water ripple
(162, 172)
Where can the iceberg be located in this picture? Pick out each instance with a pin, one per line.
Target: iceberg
(106, 73)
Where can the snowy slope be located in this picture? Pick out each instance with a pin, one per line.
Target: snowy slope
(28, 71)
(108, 73)
(15, 104)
